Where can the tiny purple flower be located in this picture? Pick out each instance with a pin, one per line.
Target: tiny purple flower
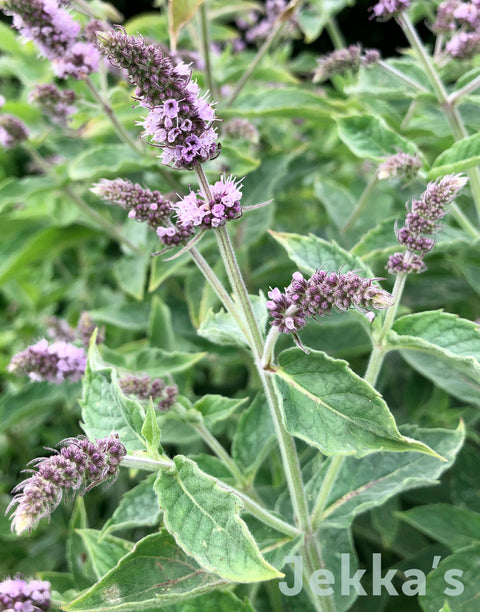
(20, 595)
(12, 131)
(146, 388)
(385, 9)
(54, 363)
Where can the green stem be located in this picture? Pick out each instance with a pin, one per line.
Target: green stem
(451, 112)
(155, 465)
(335, 34)
(379, 349)
(83, 206)
(361, 204)
(288, 451)
(408, 115)
(108, 110)
(456, 96)
(402, 76)
(214, 445)
(463, 221)
(219, 289)
(206, 49)
(326, 487)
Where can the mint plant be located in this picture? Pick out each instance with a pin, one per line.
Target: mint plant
(242, 287)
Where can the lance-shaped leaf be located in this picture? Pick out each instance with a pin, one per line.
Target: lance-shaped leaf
(454, 584)
(137, 508)
(310, 253)
(180, 12)
(154, 574)
(104, 552)
(369, 137)
(459, 157)
(455, 527)
(205, 522)
(442, 347)
(104, 406)
(368, 483)
(330, 407)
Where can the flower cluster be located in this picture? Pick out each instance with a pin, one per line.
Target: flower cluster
(56, 34)
(341, 60)
(57, 104)
(79, 465)
(12, 131)
(179, 119)
(385, 9)
(259, 25)
(462, 20)
(400, 164)
(54, 363)
(147, 206)
(145, 388)
(224, 205)
(322, 293)
(421, 223)
(20, 595)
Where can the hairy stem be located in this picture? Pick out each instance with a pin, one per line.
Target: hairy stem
(402, 76)
(288, 451)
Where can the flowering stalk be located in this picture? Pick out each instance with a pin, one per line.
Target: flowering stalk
(451, 112)
(78, 466)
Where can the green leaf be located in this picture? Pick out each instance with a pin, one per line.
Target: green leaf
(104, 551)
(160, 328)
(337, 200)
(362, 485)
(311, 252)
(205, 522)
(331, 408)
(369, 137)
(218, 601)
(149, 25)
(282, 102)
(442, 347)
(221, 328)
(253, 436)
(155, 362)
(106, 161)
(455, 527)
(181, 12)
(106, 409)
(133, 317)
(161, 270)
(46, 244)
(151, 432)
(137, 508)
(154, 574)
(215, 408)
(454, 583)
(459, 157)
(131, 274)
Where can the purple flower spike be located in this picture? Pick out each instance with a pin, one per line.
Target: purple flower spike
(341, 60)
(421, 223)
(79, 465)
(179, 119)
(321, 294)
(145, 388)
(56, 103)
(385, 9)
(12, 131)
(56, 34)
(54, 363)
(20, 595)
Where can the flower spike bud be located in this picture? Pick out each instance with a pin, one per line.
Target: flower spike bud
(385, 9)
(12, 131)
